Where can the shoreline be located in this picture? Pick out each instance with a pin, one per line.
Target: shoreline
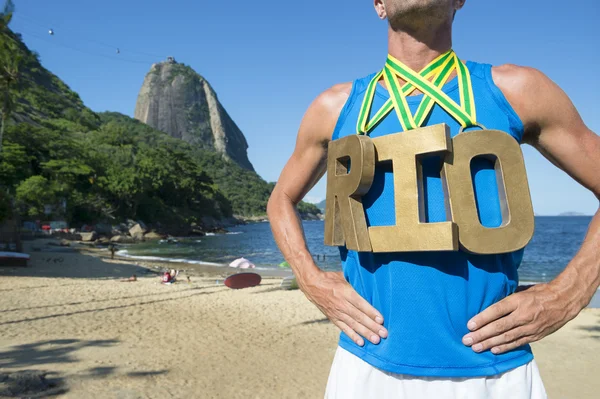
(201, 268)
(215, 269)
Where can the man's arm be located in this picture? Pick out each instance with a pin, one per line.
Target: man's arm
(553, 126)
(330, 292)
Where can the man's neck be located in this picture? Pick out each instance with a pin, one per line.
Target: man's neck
(416, 49)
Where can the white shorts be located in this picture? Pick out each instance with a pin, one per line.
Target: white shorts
(353, 378)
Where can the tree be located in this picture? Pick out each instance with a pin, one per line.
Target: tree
(9, 68)
(36, 192)
(14, 164)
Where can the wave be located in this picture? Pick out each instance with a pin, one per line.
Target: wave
(220, 234)
(170, 260)
(168, 241)
(124, 253)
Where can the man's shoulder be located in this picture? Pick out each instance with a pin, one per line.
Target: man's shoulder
(518, 80)
(330, 102)
(528, 90)
(537, 99)
(333, 98)
(321, 116)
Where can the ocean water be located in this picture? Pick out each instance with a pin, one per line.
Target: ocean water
(555, 242)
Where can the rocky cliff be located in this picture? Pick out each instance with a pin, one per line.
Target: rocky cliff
(178, 101)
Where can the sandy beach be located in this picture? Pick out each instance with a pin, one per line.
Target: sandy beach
(69, 317)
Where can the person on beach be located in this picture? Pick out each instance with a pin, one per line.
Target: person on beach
(444, 322)
(131, 279)
(170, 276)
(112, 248)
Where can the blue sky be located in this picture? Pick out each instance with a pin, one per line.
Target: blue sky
(267, 60)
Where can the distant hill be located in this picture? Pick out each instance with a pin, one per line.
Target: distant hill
(321, 205)
(572, 214)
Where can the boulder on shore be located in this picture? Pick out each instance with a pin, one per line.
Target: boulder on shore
(218, 230)
(196, 232)
(121, 228)
(137, 232)
(88, 237)
(123, 239)
(153, 235)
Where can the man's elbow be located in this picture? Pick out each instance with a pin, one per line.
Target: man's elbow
(273, 203)
(276, 201)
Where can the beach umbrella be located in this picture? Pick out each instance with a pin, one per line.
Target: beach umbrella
(242, 263)
(284, 264)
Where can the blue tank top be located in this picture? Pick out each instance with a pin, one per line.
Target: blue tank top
(427, 298)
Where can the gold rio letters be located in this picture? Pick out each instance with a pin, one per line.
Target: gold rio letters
(350, 173)
(345, 210)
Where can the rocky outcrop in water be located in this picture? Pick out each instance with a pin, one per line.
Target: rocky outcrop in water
(178, 101)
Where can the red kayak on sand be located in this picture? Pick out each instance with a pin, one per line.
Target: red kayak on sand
(243, 280)
(13, 259)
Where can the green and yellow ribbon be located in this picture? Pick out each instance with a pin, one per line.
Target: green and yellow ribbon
(438, 71)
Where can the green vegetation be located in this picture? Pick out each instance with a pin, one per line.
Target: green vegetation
(122, 170)
(61, 160)
(305, 208)
(9, 69)
(247, 192)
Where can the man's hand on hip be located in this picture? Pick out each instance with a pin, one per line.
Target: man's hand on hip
(519, 319)
(338, 300)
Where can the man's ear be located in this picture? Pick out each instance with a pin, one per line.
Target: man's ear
(380, 9)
